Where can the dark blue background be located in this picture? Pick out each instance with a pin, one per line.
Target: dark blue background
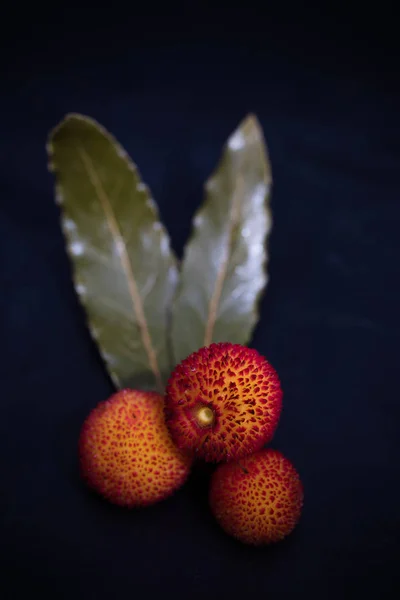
(172, 87)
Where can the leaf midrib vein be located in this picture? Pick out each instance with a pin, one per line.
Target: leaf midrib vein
(233, 219)
(126, 264)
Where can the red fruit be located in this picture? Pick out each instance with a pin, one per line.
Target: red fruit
(258, 501)
(223, 401)
(126, 452)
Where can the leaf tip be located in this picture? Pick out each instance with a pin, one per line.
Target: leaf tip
(253, 131)
(251, 125)
(248, 131)
(59, 125)
(56, 133)
(251, 121)
(70, 118)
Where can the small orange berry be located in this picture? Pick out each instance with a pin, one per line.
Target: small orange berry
(259, 500)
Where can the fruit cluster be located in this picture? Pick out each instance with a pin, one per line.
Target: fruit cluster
(222, 405)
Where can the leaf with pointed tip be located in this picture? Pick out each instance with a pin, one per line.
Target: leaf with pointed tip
(124, 271)
(223, 270)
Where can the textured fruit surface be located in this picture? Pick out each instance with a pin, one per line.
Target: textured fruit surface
(126, 452)
(223, 402)
(258, 501)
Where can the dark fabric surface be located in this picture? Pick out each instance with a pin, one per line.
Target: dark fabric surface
(327, 98)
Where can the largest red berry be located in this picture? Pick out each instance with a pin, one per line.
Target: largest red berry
(126, 452)
(223, 402)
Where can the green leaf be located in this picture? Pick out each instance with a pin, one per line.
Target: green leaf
(124, 271)
(223, 270)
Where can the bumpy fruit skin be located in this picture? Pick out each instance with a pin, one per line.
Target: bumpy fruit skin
(126, 452)
(223, 402)
(258, 501)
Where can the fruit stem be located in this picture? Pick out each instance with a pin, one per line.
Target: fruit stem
(205, 416)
